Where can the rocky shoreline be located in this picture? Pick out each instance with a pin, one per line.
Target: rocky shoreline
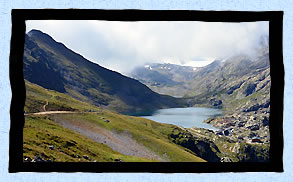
(242, 136)
(244, 127)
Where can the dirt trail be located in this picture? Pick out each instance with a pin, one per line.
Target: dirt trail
(54, 112)
(120, 142)
(44, 106)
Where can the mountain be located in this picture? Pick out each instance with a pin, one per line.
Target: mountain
(53, 66)
(217, 84)
(239, 85)
(235, 78)
(164, 78)
(163, 73)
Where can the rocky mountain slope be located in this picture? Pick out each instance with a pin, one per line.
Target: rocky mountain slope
(219, 76)
(52, 65)
(239, 85)
(165, 78)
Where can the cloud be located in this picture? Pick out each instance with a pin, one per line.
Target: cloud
(121, 46)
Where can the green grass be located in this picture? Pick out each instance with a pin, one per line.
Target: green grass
(40, 132)
(151, 134)
(37, 96)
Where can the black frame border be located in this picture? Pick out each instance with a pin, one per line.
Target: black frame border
(19, 16)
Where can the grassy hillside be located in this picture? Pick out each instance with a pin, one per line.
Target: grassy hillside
(73, 135)
(53, 66)
(50, 141)
(36, 98)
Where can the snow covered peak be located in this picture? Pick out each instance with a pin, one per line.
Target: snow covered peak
(148, 67)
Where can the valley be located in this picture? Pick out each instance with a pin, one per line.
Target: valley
(77, 110)
(92, 131)
(239, 86)
(53, 66)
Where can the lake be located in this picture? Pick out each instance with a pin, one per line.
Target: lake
(186, 117)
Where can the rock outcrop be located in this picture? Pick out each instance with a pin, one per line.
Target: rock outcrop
(203, 148)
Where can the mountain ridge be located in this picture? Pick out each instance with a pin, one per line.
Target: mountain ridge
(45, 59)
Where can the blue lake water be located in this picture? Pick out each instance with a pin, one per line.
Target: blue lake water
(185, 117)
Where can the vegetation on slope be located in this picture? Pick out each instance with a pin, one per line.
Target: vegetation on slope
(36, 98)
(53, 66)
(152, 135)
(45, 139)
(41, 132)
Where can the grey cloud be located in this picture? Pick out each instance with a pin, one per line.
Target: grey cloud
(123, 45)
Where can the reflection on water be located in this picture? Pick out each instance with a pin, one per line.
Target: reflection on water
(186, 117)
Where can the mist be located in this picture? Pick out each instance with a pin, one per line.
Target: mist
(122, 46)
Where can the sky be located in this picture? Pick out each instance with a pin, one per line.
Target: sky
(122, 46)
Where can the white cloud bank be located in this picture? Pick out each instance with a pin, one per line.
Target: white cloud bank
(121, 46)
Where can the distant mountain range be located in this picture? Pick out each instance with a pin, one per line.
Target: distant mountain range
(163, 74)
(239, 85)
(234, 78)
(164, 78)
(52, 65)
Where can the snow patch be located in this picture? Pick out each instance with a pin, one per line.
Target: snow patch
(148, 67)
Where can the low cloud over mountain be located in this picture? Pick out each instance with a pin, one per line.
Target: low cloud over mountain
(121, 46)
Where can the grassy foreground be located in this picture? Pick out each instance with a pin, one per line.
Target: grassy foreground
(42, 132)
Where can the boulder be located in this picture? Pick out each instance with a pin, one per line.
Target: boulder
(252, 108)
(265, 121)
(253, 127)
(251, 135)
(226, 132)
(241, 124)
(216, 103)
